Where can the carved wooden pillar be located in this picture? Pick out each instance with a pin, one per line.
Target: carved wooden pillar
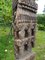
(24, 29)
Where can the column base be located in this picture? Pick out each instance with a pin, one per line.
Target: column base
(30, 56)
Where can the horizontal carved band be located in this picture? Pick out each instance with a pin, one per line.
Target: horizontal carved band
(27, 8)
(28, 3)
(30, 6)
(23, 21)
(25, 17)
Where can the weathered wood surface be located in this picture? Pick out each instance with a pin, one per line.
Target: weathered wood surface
(24, 12)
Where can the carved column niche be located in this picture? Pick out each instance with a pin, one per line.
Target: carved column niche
(24, 28)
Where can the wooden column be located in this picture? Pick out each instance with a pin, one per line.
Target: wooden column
(24, 28)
